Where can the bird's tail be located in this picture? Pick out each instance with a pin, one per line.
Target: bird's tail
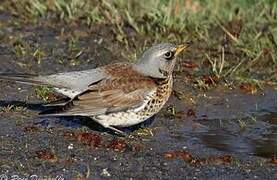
(23, 78)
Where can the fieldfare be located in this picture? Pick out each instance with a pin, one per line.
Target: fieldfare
(115, 95)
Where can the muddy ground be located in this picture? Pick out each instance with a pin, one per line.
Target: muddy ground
(220, 133)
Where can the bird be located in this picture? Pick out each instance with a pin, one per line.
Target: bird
(115, 95)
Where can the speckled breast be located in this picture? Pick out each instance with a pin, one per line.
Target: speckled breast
(131, 117)
(159, 98)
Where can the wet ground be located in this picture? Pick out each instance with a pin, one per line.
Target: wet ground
(220, 133)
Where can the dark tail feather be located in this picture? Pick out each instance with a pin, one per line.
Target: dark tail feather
(22, 78)
(55, 110)
(58, 103)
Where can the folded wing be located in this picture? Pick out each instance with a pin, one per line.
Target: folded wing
(112, 95)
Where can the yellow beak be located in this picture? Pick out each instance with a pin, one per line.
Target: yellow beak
(182, 47)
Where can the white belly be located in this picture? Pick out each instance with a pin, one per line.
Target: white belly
(120, 119)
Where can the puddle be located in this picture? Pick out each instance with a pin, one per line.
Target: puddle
(257, 138)
(238, 122)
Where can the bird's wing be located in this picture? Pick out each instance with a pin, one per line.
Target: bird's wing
(118, 93)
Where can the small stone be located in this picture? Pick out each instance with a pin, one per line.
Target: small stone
(70, 146)
(105, 173)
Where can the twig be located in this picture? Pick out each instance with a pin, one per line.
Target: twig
(228, 33)
(254, 61)
(222, 60)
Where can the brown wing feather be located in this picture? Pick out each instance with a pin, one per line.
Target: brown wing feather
(124, 89)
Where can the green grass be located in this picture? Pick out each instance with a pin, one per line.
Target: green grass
(238, 38)
(11, 108)
(43, 92)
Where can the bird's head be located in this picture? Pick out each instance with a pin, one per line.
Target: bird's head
(159, 60)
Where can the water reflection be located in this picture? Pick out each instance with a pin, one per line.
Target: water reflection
(256, 138)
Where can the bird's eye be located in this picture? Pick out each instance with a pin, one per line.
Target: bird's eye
(169, 55)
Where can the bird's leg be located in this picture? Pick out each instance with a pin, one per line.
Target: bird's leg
(130, 137)
(107, 126)
(119, 132)
(115, 130)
